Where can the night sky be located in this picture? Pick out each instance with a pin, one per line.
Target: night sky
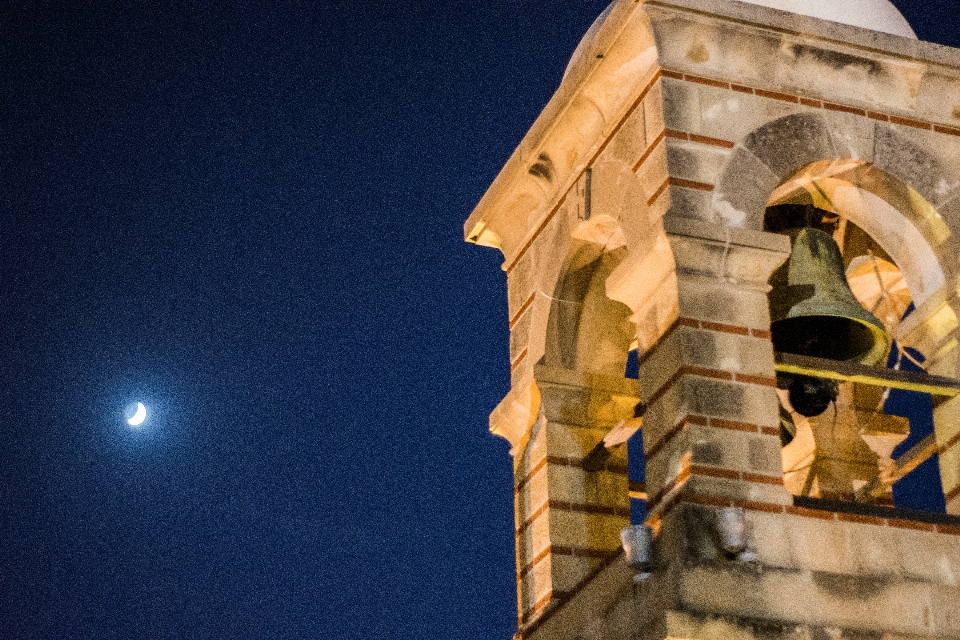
(249, 217)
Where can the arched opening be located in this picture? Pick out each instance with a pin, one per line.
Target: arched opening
(875, 442)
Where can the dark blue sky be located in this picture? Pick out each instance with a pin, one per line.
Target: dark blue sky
(250, 218)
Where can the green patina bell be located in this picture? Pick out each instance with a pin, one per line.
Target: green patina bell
(814, 313)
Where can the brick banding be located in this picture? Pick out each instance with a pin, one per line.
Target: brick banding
(583, 552)
(523, 481)
(860, 518)
(776, 95)
(724, 328)
(672, 487)
(633, 107)
(716, 142)
(658, 192)
(561, 505)
(760, 478)
(716, 374)
(950, 130)
(832, 106)
(522, 310)
(910, 123)
(536, 234)
(810, 102)
(516, 363)
(707, 81)
(733, 425)
(909, 524)
(760, 380)
(621, 469)
(690, 184)
(667, 437)
(576, 552)
(714, 472)
(649, 151)
(704, 421)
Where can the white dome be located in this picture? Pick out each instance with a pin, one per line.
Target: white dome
(879, 15)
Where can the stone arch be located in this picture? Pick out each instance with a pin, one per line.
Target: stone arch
(586, 330)
(895, 197)
(895, 215)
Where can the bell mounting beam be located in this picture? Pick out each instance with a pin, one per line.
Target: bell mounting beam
(864, 374)
(910, 460)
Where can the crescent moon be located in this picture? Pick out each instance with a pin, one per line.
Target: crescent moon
(139, 416)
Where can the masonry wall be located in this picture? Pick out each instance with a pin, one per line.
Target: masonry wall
(653, 166)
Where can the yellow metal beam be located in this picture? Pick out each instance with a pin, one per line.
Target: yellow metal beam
(877, 376)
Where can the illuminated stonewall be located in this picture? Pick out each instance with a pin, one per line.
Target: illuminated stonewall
(635, 215)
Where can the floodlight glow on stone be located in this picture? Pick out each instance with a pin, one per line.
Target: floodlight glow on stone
(139, 416)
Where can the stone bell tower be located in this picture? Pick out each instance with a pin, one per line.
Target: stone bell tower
(635, 215)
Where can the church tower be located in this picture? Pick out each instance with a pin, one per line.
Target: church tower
(729, 243)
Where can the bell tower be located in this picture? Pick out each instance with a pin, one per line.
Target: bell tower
(757, 209)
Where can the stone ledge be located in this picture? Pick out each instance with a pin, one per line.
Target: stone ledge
(786, 22)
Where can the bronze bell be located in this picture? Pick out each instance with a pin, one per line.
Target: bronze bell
(814, 313)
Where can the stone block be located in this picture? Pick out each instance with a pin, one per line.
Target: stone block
(789, 143)
(769, 535)
(631, 141)
(653, 111)
(738, 490)
(716, 301)
(822, 545)
(663, 414)
(721, 448)
(946, 417)
(732, 115)
(727, 352)
(697, 162)
(852, 134)
(944, 611)
(938, 97)
(575, 442)
(742, 191)
(692, 204)
(950, 469)
(521, 283)
(519, 337)
(681, 102)
(542, 582)
(536, 492)
(728, 400)
(653, 173)
(662, 363)
(875, 549)
(568, 528)
(899, 152)
(574, 485)
(667, 464)
(914, 550)
(567, 572)
(953, 504)
(946, 551)
(539, 535)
